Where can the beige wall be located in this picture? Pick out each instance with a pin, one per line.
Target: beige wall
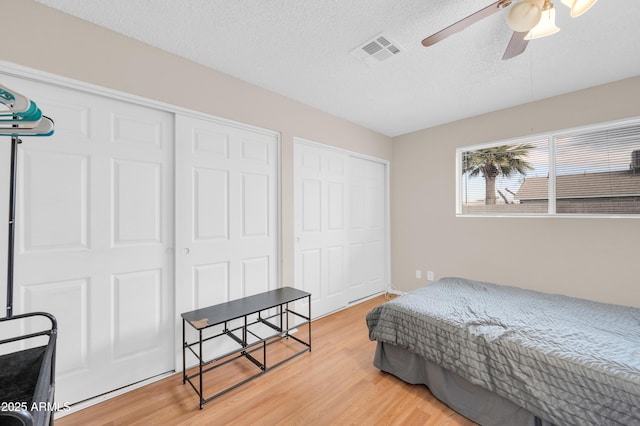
(42, 38)
(592, 258)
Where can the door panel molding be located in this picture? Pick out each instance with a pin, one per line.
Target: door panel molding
(227, 213)
(90, 212)
(74, 119)
(341, 215)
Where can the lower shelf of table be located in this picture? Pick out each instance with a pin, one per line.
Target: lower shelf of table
(235, 364)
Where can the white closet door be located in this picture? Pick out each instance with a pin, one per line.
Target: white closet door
(320, 192)
(341, 247)
(94, 237)
(227, 212)
(368, 258)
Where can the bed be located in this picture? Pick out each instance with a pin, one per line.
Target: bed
(502, 355)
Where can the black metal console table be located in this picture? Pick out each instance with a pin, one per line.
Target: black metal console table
(243, 328)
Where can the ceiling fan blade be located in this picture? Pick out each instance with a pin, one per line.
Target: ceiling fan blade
(464, 23)
(516, 45)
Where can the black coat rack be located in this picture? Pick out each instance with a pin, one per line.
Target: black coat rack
(27, 377)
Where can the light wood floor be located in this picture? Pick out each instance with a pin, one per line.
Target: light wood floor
(335, 384)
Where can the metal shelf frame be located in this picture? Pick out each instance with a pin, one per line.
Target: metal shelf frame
(255, 327)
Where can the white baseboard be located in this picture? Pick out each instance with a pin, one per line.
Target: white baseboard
(106, 396)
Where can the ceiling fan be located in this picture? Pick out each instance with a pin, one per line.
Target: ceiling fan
(529, 19)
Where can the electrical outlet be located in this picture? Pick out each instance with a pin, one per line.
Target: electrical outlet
(418, 274)
(430, 275)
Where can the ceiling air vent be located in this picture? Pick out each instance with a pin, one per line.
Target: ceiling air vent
(378, 49)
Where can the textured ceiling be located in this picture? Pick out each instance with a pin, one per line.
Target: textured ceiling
(300, 49)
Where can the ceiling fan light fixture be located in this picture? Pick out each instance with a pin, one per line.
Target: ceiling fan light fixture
(546, 26)
(525, 15)
(578, 7)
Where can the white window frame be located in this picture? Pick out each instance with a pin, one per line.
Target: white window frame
(550, 136)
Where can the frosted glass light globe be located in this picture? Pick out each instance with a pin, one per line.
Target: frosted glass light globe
(524, 16)
(578, 7)
(546, 26)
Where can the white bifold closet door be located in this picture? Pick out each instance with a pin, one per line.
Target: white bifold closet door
(367, 228)
(341, 244)
(226, 211)
(321, 244)
(95, 237)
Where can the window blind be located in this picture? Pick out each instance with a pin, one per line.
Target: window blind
(598, 172)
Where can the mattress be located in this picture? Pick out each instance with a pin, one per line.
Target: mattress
(566, 360)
